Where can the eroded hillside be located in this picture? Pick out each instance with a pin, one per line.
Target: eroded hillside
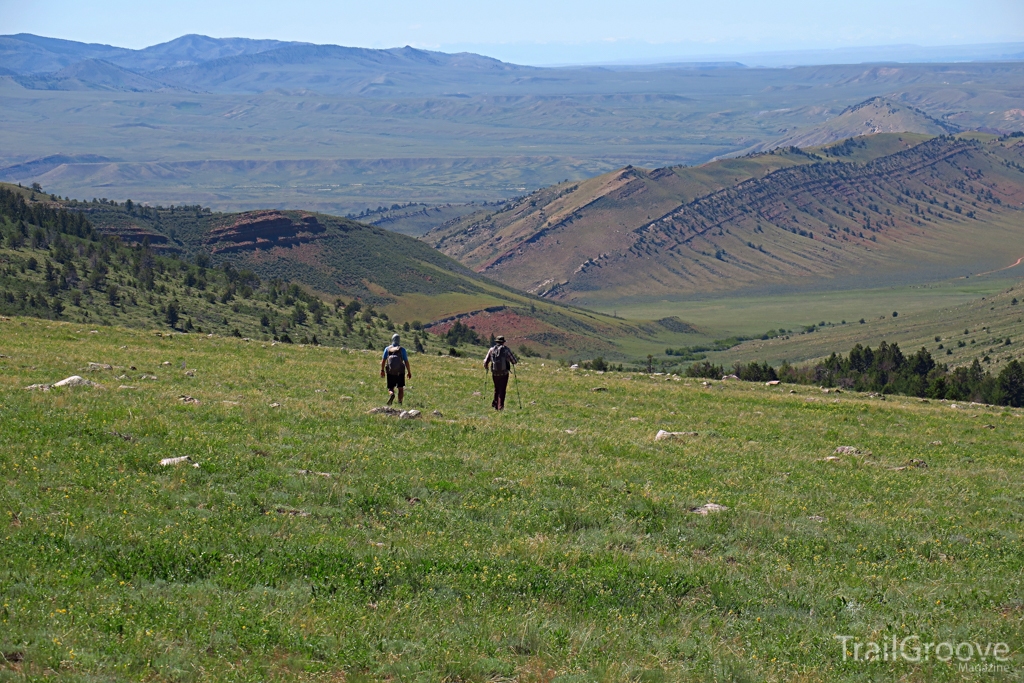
(885, 204)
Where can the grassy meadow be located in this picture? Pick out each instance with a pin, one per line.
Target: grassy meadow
(556, 542)
(964, 324)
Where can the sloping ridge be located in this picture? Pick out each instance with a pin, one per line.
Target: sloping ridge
(92, 74)
(870, 117)
(942, 206)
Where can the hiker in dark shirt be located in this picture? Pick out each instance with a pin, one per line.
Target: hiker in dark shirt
(499, 361)
(395, 364)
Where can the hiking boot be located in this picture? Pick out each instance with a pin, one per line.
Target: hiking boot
(391, 398)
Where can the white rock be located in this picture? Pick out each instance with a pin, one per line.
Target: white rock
(166, 462)
(409, 414)
(772, 383)
(662, 435)
(708, 508)
(75, 381)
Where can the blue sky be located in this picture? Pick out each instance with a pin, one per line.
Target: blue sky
(536, 31)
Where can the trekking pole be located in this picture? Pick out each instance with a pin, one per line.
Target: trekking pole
(516, 377)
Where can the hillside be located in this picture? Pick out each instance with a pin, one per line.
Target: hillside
(305, 538)
(873, 116)
(883, 207)
(989, 329)
(93, 74)
(326, 258)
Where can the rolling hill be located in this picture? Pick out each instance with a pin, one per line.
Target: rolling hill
(888, 207)
(330, 258)
(876, 115)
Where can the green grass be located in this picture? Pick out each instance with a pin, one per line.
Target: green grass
(717, 317)
(967, 323)
(552, 543)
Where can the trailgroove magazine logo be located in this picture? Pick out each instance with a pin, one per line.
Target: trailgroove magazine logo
(970, 656)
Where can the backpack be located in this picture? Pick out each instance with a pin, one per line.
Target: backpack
(394, 364)
(499, 360)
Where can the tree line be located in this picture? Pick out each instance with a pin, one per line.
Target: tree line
(886, 370)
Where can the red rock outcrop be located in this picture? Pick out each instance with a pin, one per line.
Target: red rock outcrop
(264, 230)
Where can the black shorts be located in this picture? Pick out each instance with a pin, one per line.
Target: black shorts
(396, 381)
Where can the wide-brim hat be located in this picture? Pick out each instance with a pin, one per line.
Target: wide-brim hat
(500, 339)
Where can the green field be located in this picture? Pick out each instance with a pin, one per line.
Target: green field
(555, 542)
(718, 317)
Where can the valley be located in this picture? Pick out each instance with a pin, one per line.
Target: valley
(769, 325)
(243, 125)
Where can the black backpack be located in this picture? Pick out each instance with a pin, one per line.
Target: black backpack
(394, 364)
(499, 360)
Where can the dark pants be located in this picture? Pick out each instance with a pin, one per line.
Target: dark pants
(500, 385)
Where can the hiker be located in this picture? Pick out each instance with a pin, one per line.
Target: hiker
(395, 364)
(499, 360)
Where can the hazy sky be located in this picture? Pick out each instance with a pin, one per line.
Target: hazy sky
(535, 31)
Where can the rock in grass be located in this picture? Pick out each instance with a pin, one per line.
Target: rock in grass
(170, 462)
(708, 508)
(384, 410)
(188, 400)
(76, 381)
(662, 435)
(914, 462)
(93, 367)
(73, 381)
(293, 512)
(600, 389)
(395, 412)
(848, 450)
(326, 475)
(772, 383)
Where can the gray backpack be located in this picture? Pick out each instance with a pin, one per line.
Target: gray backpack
(499, 360)
(394, 364)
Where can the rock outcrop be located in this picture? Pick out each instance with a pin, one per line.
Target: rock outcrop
(264, 230)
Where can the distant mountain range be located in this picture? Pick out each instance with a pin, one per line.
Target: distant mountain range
(230, 65)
